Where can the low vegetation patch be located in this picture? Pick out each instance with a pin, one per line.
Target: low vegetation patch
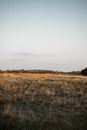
(43, 101)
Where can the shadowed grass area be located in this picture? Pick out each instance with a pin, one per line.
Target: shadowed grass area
(49, 101)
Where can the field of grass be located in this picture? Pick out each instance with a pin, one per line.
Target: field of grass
(43, 101)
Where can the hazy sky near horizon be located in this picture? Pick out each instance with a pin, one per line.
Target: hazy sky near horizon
(43, 34)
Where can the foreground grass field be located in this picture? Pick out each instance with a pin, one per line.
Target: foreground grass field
(43, 101)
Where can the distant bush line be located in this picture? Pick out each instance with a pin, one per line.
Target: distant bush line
(82, 72)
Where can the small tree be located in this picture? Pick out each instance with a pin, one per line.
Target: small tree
(84, 72)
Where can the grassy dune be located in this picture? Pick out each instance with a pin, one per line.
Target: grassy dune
(43, 101)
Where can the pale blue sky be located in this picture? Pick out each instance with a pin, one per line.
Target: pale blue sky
(43, 34)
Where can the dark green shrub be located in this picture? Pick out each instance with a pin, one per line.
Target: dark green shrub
(84, 72)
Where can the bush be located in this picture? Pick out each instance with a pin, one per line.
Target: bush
(84, 72)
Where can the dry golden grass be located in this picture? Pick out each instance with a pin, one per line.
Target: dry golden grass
(43, 101)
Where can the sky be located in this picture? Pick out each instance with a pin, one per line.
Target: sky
(43, 34)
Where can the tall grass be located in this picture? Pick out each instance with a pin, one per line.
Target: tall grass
(43, 102)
